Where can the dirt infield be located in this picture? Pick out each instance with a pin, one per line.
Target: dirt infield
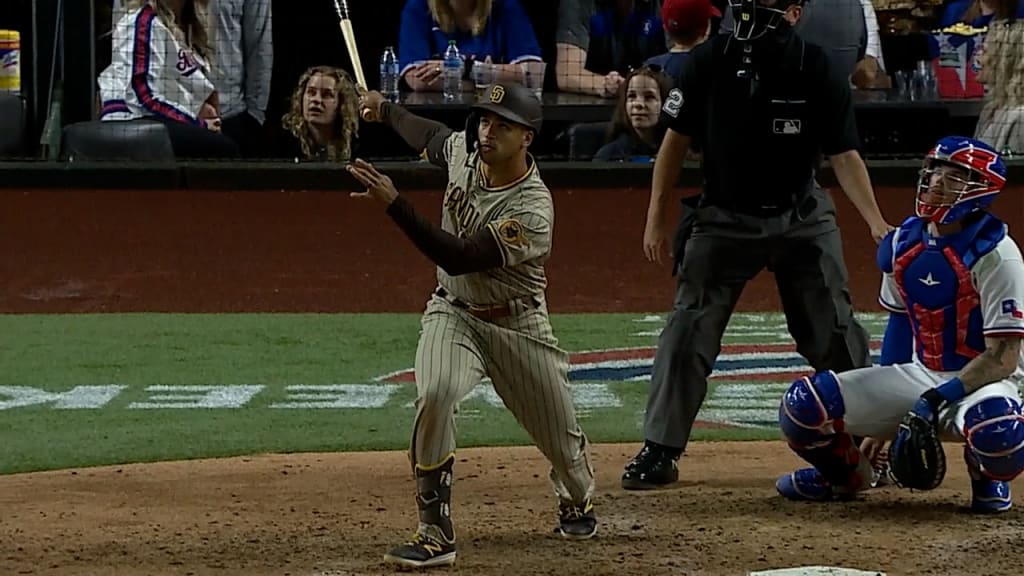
(336, 514)
(194, 251)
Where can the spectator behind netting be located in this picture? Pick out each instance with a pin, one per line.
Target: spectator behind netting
(159, 70)
(979, 13)
(636, 133)
(323, 117)
(600, 40)
(494, 30)
(245, 57)
(1001, 122)
(687, 23)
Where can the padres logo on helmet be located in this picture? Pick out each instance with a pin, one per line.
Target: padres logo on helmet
(497, 93)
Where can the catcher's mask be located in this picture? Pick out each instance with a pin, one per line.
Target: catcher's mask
(513, 102)
(960, 175)
(752, 19)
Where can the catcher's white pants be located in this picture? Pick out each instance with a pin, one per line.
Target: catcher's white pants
(878, 397)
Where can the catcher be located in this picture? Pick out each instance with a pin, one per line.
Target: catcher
(953, 282)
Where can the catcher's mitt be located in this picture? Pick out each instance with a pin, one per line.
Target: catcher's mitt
(916, 459)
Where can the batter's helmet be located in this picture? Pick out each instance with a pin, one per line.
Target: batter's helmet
(511, 101)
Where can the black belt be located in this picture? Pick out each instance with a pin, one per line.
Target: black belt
(487, 313)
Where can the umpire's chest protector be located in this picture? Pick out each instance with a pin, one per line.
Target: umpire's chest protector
(763, 107)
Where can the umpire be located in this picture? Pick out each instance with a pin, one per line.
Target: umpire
(762, 105)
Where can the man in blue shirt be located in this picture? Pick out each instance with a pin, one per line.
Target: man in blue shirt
(502, 34)
(687, 23)
(599, 41)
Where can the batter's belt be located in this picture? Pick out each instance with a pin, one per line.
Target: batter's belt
(490, 312)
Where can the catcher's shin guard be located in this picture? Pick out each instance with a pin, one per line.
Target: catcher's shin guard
(811, 417)
(994, 430)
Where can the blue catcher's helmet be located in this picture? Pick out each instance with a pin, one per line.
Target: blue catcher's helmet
(960, 175)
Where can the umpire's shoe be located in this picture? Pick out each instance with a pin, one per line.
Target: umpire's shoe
(577, 521)
(653, 467)
(426, 549)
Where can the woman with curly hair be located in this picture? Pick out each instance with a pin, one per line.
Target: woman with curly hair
(1001, 122)
(323, 117)
(160, 70)
(635, 130)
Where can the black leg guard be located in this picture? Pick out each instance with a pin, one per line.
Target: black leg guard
(434, 496)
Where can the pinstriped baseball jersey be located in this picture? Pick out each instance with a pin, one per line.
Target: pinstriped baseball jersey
(519, 352)
(520, 215)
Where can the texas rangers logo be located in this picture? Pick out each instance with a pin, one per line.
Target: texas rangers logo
(1010, 308)
(187, 63)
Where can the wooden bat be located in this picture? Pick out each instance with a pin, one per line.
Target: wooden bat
(341, 7)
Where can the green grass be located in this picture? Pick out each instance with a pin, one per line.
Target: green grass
(268, 352)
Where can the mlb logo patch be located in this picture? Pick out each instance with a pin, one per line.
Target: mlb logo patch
(1010, 308)
(786, 126)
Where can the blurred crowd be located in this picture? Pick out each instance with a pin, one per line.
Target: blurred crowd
(213, 95)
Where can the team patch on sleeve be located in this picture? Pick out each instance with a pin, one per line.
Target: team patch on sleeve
(1011, 309)
(512, 234)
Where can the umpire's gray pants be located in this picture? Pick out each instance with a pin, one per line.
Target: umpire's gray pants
(804, 250)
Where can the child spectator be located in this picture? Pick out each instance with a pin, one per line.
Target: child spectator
(494, 30)
(323, 119)
(636, 133)
(159, 70)
(687, 23)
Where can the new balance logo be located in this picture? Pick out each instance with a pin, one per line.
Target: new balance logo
(929, 281)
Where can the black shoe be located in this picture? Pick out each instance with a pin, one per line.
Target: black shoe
(651, 468)
(426, 549)
(577, 521)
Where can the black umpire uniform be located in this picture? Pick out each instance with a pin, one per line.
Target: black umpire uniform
(762, 105)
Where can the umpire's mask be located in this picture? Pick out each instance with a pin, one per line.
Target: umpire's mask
(752, 19)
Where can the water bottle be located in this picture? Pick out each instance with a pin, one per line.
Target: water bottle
(389, 74)
(452, 73)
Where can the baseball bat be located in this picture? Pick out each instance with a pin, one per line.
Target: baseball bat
(341, 7)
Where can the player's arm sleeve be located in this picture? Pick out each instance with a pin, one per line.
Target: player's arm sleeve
(889, 296)
(898, 341)
(574, 23)
(837, 121)
(520, 41)
(258, 31)
(150, 40)
(521, 235)
(681, 110)
(428, 137)
(414, 35)
(456, 256)
(999, 277)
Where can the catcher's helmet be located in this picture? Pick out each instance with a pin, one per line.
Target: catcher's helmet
(511, 101)
(985, 177)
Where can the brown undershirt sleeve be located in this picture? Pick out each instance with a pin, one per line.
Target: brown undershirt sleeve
(454, 255)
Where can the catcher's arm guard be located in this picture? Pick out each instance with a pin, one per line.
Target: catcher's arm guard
(916, 458)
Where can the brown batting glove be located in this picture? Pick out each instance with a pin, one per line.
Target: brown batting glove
(370, 103)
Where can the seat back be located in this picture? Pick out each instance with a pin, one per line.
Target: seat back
(12, 124)
(586, 138)
(136, 140)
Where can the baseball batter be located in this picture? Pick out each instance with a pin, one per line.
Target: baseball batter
(953, 281)
(488, 316)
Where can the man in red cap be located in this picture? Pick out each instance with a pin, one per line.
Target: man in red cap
(688, 23)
